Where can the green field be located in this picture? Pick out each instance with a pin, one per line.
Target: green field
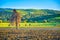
(27, 25)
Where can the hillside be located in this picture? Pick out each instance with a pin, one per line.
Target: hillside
(31, 15)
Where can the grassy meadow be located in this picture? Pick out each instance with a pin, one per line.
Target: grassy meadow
(31, 25)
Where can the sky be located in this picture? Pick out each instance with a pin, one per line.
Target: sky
(30, 4)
